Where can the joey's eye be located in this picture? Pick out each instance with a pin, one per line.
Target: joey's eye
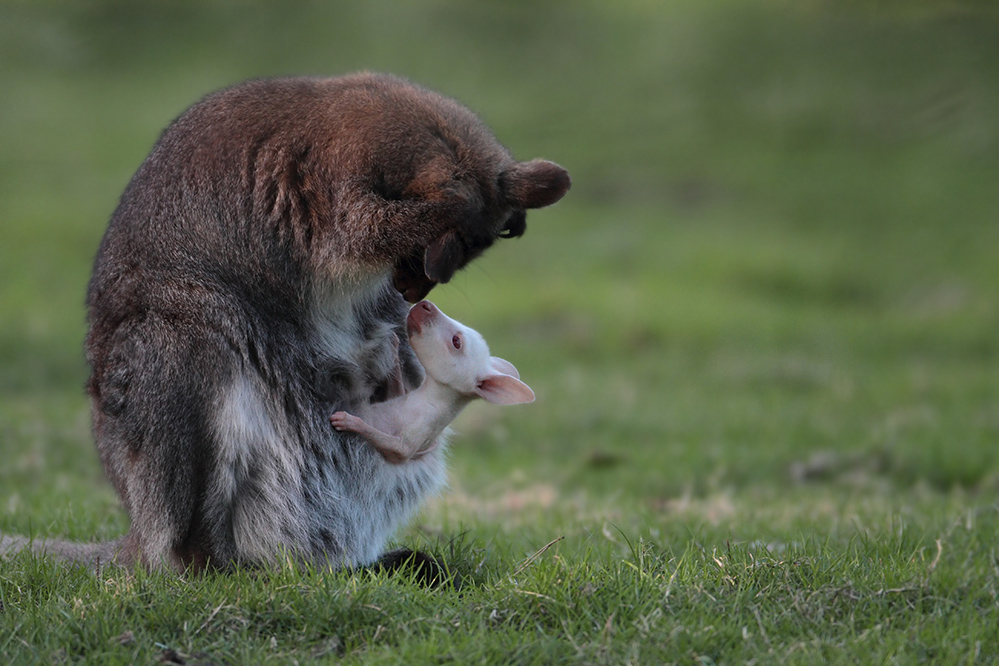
(456, 342)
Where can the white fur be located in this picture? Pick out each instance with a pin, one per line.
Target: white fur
(334, 320)
(258, 475)
(359, 492)
(261, 460)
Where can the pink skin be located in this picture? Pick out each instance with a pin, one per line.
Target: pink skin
(459, 369)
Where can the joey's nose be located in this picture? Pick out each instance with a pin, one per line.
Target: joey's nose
(419, 315)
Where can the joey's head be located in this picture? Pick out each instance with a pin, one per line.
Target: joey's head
(457, 356)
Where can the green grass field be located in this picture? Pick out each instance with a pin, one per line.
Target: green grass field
(763, 329)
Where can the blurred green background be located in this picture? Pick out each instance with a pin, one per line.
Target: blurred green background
(773, 286)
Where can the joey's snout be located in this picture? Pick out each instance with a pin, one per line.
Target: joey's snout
(420, 315)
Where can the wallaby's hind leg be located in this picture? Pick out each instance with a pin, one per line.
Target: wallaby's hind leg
(151, 423)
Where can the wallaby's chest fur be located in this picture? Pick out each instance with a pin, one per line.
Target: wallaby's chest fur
(251, 282)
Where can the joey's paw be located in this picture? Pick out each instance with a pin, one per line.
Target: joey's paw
(344, 421)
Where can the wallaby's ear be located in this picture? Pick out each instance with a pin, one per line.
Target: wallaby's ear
(503, 366)
(443, 257)
(535, 184)
(502, 389)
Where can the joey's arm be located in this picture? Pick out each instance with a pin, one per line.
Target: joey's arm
(408, 426)
(394, 448)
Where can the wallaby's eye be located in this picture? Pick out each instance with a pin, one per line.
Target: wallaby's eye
(456, 342)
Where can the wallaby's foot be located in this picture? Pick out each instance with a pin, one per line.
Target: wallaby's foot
(424, 568)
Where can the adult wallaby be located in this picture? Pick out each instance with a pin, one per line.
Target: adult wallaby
(250, 283)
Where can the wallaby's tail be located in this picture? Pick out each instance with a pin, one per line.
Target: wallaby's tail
(88, 554)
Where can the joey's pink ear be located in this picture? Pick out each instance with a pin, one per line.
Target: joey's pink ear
(503, 389)
(503, 366)
(535, 184)
(443, 257)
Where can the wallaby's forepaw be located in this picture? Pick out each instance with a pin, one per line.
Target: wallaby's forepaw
(343, 421)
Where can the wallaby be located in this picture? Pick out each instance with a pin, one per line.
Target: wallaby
(458, 369)
(250, 283)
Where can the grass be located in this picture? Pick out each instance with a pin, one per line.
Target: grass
(761, 328)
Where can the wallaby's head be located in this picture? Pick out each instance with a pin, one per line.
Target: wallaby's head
(458, 357)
